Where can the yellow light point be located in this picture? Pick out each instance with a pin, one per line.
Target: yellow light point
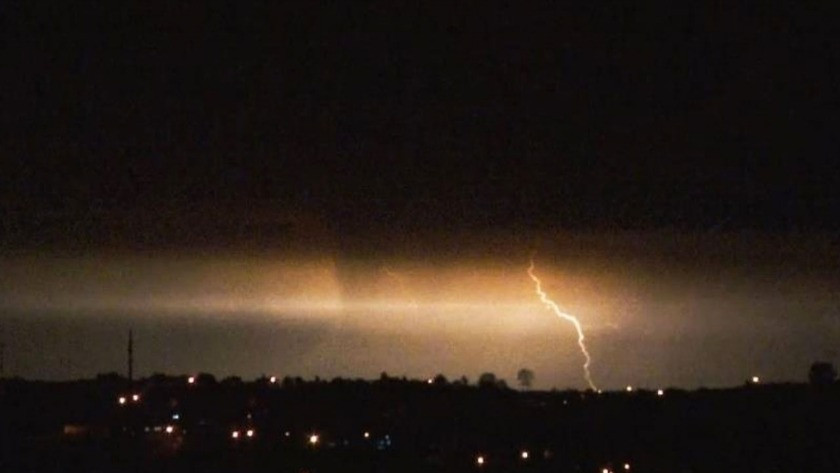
(755, 379)
(552, 306)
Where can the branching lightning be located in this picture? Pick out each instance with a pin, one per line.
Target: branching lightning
(552, 306)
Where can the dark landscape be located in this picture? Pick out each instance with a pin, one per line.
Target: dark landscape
(197, 423)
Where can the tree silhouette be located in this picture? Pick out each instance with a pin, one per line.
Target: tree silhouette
(205, 379)
(462, 381)
(440, 380)
(525, 377)
(822, 373)
(232, 381)
(487, 380)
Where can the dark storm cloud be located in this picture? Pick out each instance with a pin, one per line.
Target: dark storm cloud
(413, 116)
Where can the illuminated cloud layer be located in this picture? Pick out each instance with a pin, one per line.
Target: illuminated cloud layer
(651, 308)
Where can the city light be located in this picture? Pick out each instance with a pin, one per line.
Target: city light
(524, 455)
(287, 434)
(367, 435)
(629, 389)
(605, 470)
(249, 432)
(313, 439)
(755, 379)
(121, 400)
(479, 460)
(135, 397)
(176, 416)
(660, 392)
(626, 467)
(191, 380)
(234, 434)
(430, 381)
(169, 429)
(273, 379)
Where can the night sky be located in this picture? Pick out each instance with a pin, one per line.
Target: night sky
(343, 189)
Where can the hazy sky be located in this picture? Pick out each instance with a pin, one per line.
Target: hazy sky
(657, 309)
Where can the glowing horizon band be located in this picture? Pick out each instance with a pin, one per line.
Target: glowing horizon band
(403, 288)
(552, 306)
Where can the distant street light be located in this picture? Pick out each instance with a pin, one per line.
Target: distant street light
(135, 397)
(479, 460)
(234, 434)
(121, 400)
(755, 380)
(273, 379)
(313, 439)
(629, 389)
(249, 432)
(626, 467)
(367, 435)
(169, 429)
(191, 380)
(524, 455)
(660, 392)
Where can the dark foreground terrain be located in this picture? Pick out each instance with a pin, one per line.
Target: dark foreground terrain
(197, 424)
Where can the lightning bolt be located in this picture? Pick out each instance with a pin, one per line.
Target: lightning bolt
(552, 306)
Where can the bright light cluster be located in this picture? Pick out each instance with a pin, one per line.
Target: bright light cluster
(238, 434)
(123, 400)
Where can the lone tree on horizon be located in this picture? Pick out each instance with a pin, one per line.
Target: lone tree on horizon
(822, 373)
(525, 377)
